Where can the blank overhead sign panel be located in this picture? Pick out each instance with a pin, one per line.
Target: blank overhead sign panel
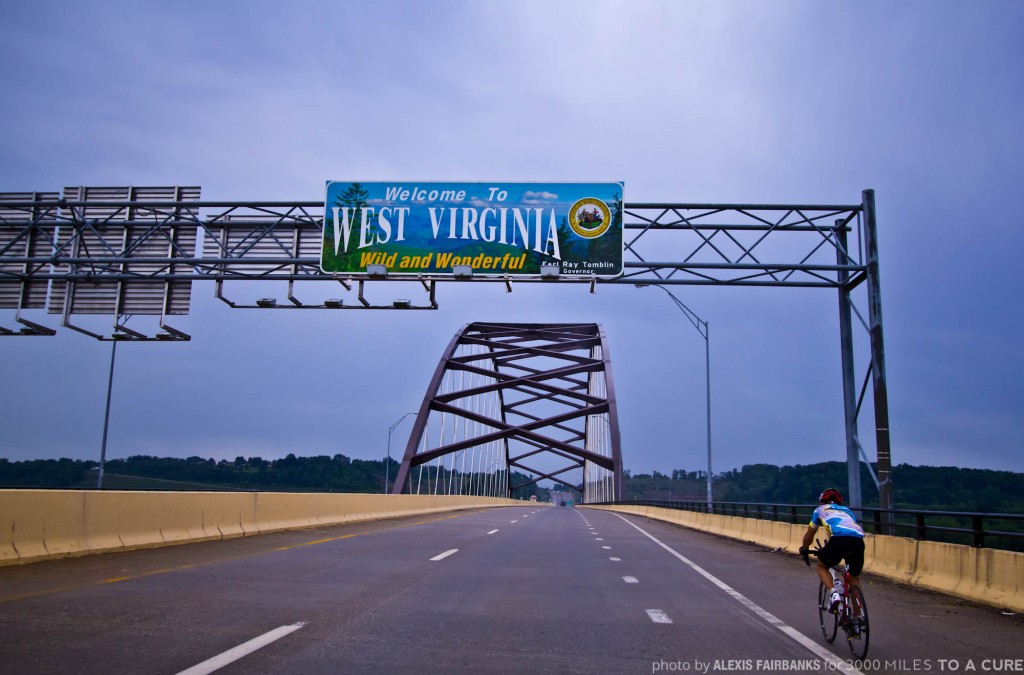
(128, 247)
(115, 251)
(26, 235)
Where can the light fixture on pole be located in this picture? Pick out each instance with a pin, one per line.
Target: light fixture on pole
(387, 464)
(702, 328)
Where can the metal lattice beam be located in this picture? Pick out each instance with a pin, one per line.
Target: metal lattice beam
(728, 244)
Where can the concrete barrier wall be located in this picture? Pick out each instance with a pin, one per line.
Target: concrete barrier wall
(984, 575)
(46, 524)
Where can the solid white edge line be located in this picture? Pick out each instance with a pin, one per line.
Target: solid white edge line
(836, 662)
(492, 531)
(658, 616)
(244, 649)
(444, 555)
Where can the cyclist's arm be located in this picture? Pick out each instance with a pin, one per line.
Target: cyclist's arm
(809, 536)
(812, 529)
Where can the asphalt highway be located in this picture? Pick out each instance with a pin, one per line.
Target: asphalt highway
(509, 590)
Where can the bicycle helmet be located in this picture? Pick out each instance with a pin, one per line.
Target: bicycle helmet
(831, 495)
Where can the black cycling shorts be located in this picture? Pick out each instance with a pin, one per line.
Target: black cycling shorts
(850, 549)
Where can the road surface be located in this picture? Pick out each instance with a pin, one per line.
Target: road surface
(506, 590)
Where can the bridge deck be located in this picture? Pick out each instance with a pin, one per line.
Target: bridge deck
(544, 592)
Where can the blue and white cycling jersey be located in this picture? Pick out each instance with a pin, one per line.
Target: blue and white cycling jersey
(838, 521)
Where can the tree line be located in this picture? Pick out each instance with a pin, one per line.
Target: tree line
(319, 473)
(934, 488)
(916, 487)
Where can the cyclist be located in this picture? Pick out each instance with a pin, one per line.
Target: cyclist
(845, 542)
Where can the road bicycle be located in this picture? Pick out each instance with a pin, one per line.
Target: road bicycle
(851, 615)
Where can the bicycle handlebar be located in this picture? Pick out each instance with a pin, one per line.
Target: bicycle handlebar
(807, 556)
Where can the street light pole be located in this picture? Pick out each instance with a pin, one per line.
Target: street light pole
(106, 416)
(702, 327)
(387, 464)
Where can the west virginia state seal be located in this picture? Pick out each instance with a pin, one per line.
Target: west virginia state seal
(590, 218)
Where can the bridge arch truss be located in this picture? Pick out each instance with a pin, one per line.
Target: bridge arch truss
(510, 405)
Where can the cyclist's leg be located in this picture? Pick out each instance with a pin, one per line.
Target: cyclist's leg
(854, 556)
(831, 554)
(824, 575)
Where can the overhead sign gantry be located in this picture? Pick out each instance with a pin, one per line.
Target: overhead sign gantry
(134, 253)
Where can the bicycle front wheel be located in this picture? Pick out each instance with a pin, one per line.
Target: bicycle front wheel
(859, 631)
(829, 621)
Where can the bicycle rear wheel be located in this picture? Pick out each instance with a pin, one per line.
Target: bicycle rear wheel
(829, 621)
(858, 632)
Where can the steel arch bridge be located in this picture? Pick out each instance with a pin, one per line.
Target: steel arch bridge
(507, 398)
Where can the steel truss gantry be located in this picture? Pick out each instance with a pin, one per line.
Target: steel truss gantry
(136, 251)
(507, 396)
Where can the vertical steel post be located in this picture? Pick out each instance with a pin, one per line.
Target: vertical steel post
(707, 378)
(106, 415)
(508, 470)
(387, 463)
(881, 395)
(849, 383)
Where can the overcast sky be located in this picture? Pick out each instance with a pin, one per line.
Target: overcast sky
(781, 102)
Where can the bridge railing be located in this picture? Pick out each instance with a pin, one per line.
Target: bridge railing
(994, 530)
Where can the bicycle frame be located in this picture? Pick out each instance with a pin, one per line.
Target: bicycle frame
(846, 608)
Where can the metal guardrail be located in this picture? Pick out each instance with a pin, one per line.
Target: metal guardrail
(917, 524)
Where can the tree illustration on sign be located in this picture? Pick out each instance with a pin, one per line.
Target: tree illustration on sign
(354, 200)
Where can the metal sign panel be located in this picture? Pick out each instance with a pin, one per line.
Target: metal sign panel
(26, 233)
(139, 241)
(491, 229)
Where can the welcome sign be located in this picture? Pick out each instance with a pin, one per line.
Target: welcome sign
(494, 228)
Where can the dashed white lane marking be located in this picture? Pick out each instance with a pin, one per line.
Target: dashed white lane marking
(492, 531)
(442, 556)
(513, 521)
(615, 559)
(599, 539)
(835, 662)
(526, 515)
(608, 548)
(631, 580)
(658, 616)
(244, 649)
